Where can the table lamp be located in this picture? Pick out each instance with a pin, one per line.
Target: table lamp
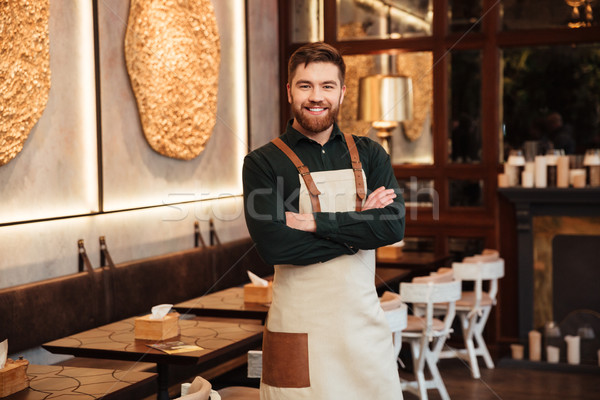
(385, 101)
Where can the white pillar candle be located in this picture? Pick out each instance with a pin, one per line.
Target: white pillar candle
(516, 351)
(552, 354)
(579, 178)
(512, 173)
(527, 179)
(535, 346)
(530, 167)
(573, 356)
(185, 388)
(562, 172)
(594, 172)
(540, 172)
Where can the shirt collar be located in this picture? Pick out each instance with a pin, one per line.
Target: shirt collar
(294, 136)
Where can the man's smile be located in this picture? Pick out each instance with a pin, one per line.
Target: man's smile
(316, 110)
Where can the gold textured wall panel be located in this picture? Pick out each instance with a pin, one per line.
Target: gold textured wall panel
(545, 228)
(24, 71)
(172, 53)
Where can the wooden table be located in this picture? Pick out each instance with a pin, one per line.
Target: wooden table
(388, 279)
(55, 382)
(221, 341)
(418, 262)
(229, 303)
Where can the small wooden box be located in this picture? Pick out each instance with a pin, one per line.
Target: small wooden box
(389, 252)
(157, 329)
(258, 294)
(13, 377)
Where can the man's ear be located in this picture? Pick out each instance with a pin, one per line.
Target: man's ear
(343, 93)
(289, 93)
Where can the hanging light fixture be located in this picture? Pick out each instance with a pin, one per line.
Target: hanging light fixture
(385, 101)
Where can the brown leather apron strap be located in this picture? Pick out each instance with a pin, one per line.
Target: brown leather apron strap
(303, 171)
(357, 169)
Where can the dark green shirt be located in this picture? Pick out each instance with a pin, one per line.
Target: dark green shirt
(272, 186)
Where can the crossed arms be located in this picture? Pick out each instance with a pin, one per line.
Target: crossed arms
(284, 236)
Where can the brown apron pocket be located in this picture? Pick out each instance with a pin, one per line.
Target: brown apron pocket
(285, 359)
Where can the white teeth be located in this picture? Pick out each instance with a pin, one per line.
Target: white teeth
(316, 109)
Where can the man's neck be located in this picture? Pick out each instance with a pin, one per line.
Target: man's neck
(321, 137)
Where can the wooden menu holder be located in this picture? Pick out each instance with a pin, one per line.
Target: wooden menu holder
(13, 377)
(258, 294)
(157, 329)
(389, 252)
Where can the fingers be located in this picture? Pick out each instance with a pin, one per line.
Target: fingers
(303, 222)
(379, 198)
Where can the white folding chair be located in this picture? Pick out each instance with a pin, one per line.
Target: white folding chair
(427, 334)
(474, 307)
(396, 314)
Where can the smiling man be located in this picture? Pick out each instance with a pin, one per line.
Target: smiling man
(317, 203)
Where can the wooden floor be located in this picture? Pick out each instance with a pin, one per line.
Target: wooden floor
(512, 382)
(506, 382)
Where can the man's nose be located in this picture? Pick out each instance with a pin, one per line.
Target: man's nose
(316, 95)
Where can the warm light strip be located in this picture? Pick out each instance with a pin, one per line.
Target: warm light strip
(241, 115)
(316, 28)
(87, 94)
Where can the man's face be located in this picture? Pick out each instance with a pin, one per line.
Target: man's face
(315, 94)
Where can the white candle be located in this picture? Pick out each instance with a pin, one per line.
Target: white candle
(527, 179)
(530, 167)
(552, 354)
(185, 388)
(562, 172)
(540, 172)
(578, 178)
(572, 349)
(517, 351)
(512, 173)
(535, 346)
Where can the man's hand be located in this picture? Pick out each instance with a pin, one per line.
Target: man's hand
(303, 222)
(380, 198)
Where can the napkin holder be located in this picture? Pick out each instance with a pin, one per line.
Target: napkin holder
(147, 328)
(389, 252)
(13, 377)
(258, 294)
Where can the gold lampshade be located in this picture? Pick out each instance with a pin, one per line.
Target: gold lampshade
(385, 100)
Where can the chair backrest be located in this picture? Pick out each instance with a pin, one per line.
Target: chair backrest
(429, 294)
(479, 272)
(442, 275)
(390, 300)
(486, 256)
(395, 310)
(470, 270)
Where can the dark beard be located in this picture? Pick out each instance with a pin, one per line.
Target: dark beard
(315, 124)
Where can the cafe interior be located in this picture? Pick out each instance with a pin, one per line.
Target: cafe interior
(124, 130)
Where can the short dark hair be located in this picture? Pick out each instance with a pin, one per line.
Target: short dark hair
(316, 52)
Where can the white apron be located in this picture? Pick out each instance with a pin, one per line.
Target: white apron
(326, 335)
